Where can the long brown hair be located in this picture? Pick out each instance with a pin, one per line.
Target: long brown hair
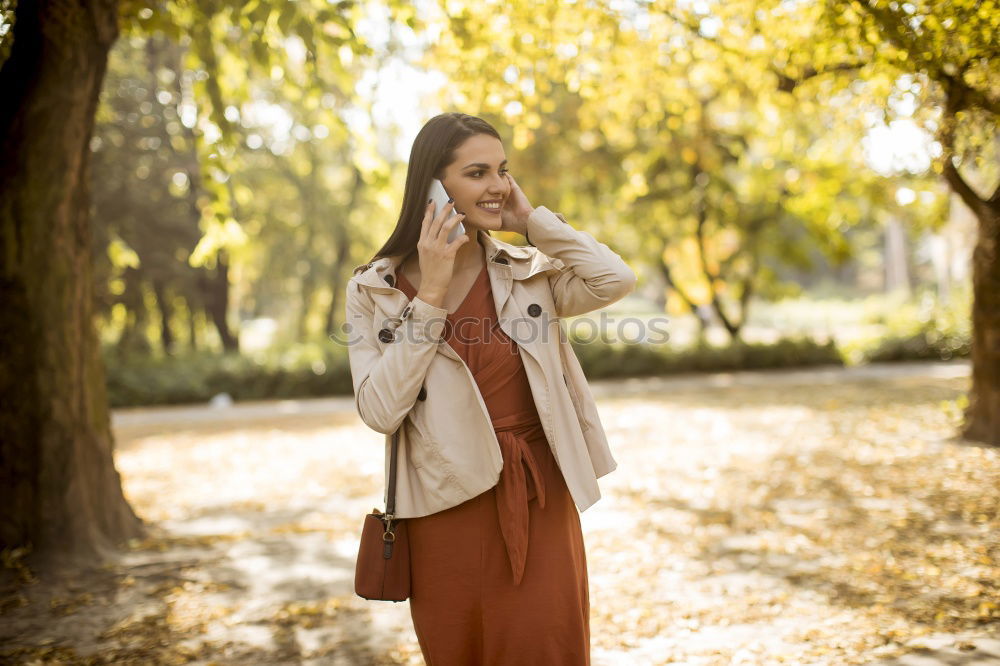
(433, 150)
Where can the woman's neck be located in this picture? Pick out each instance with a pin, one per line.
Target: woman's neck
(471, 256)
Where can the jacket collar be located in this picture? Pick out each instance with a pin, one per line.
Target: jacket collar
(521, 262)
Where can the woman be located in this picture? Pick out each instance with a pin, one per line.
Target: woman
(459, 345)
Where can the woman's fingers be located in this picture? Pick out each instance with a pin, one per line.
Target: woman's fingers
(428, 209)
(449, 225)
(439, 220)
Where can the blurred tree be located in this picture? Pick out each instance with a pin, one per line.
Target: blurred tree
(937, 64)
(145, 189)
(693, 162)
(642, 72)
(953, 50)
(284, 193)
(58, 484)
(944, 59)
(307, 198)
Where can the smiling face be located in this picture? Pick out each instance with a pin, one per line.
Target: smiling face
(476, 177)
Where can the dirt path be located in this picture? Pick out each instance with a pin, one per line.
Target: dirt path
(819, 516)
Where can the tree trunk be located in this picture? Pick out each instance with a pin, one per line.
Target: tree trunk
(337, 283)
(982, 417)
(336, 279)
(166, 316)
(59, 489)
(897, 272)
(216, 286)
(133, 338)
(192, 327)
(696, 310)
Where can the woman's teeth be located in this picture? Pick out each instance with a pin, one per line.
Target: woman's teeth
(492, 207)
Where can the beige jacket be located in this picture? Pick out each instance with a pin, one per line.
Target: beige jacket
(404, 373)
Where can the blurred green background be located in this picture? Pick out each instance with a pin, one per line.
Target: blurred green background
(772, 171)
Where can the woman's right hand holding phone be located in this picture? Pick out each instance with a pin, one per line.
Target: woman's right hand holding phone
(436, 254)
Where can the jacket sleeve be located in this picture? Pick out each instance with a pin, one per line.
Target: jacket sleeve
(387, 380)
(590, 276)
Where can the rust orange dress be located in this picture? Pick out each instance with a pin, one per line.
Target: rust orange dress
(501, 578)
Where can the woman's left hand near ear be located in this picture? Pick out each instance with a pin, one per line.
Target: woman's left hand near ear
(515, 211)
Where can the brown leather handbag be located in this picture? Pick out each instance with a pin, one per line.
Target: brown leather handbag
(382, 572)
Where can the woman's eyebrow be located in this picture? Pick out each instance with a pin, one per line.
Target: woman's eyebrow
(482, 165)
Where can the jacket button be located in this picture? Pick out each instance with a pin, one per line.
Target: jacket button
(385, 335)
(534, 309)
(391, 280)
(423, 394)
(502, 260)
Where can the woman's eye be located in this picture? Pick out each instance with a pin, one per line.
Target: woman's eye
(477, 173)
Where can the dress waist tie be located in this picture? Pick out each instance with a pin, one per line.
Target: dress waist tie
(513, 493)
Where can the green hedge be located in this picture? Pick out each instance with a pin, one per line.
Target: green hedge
(928, 343)
(602, 361)
(307, 370)
(196, 378)
(918, 328)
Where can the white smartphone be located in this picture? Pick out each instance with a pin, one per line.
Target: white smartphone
(439, 196)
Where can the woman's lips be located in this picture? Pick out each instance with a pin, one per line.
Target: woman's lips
(495, 211)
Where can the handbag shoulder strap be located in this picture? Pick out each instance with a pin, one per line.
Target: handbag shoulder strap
(390, 503)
